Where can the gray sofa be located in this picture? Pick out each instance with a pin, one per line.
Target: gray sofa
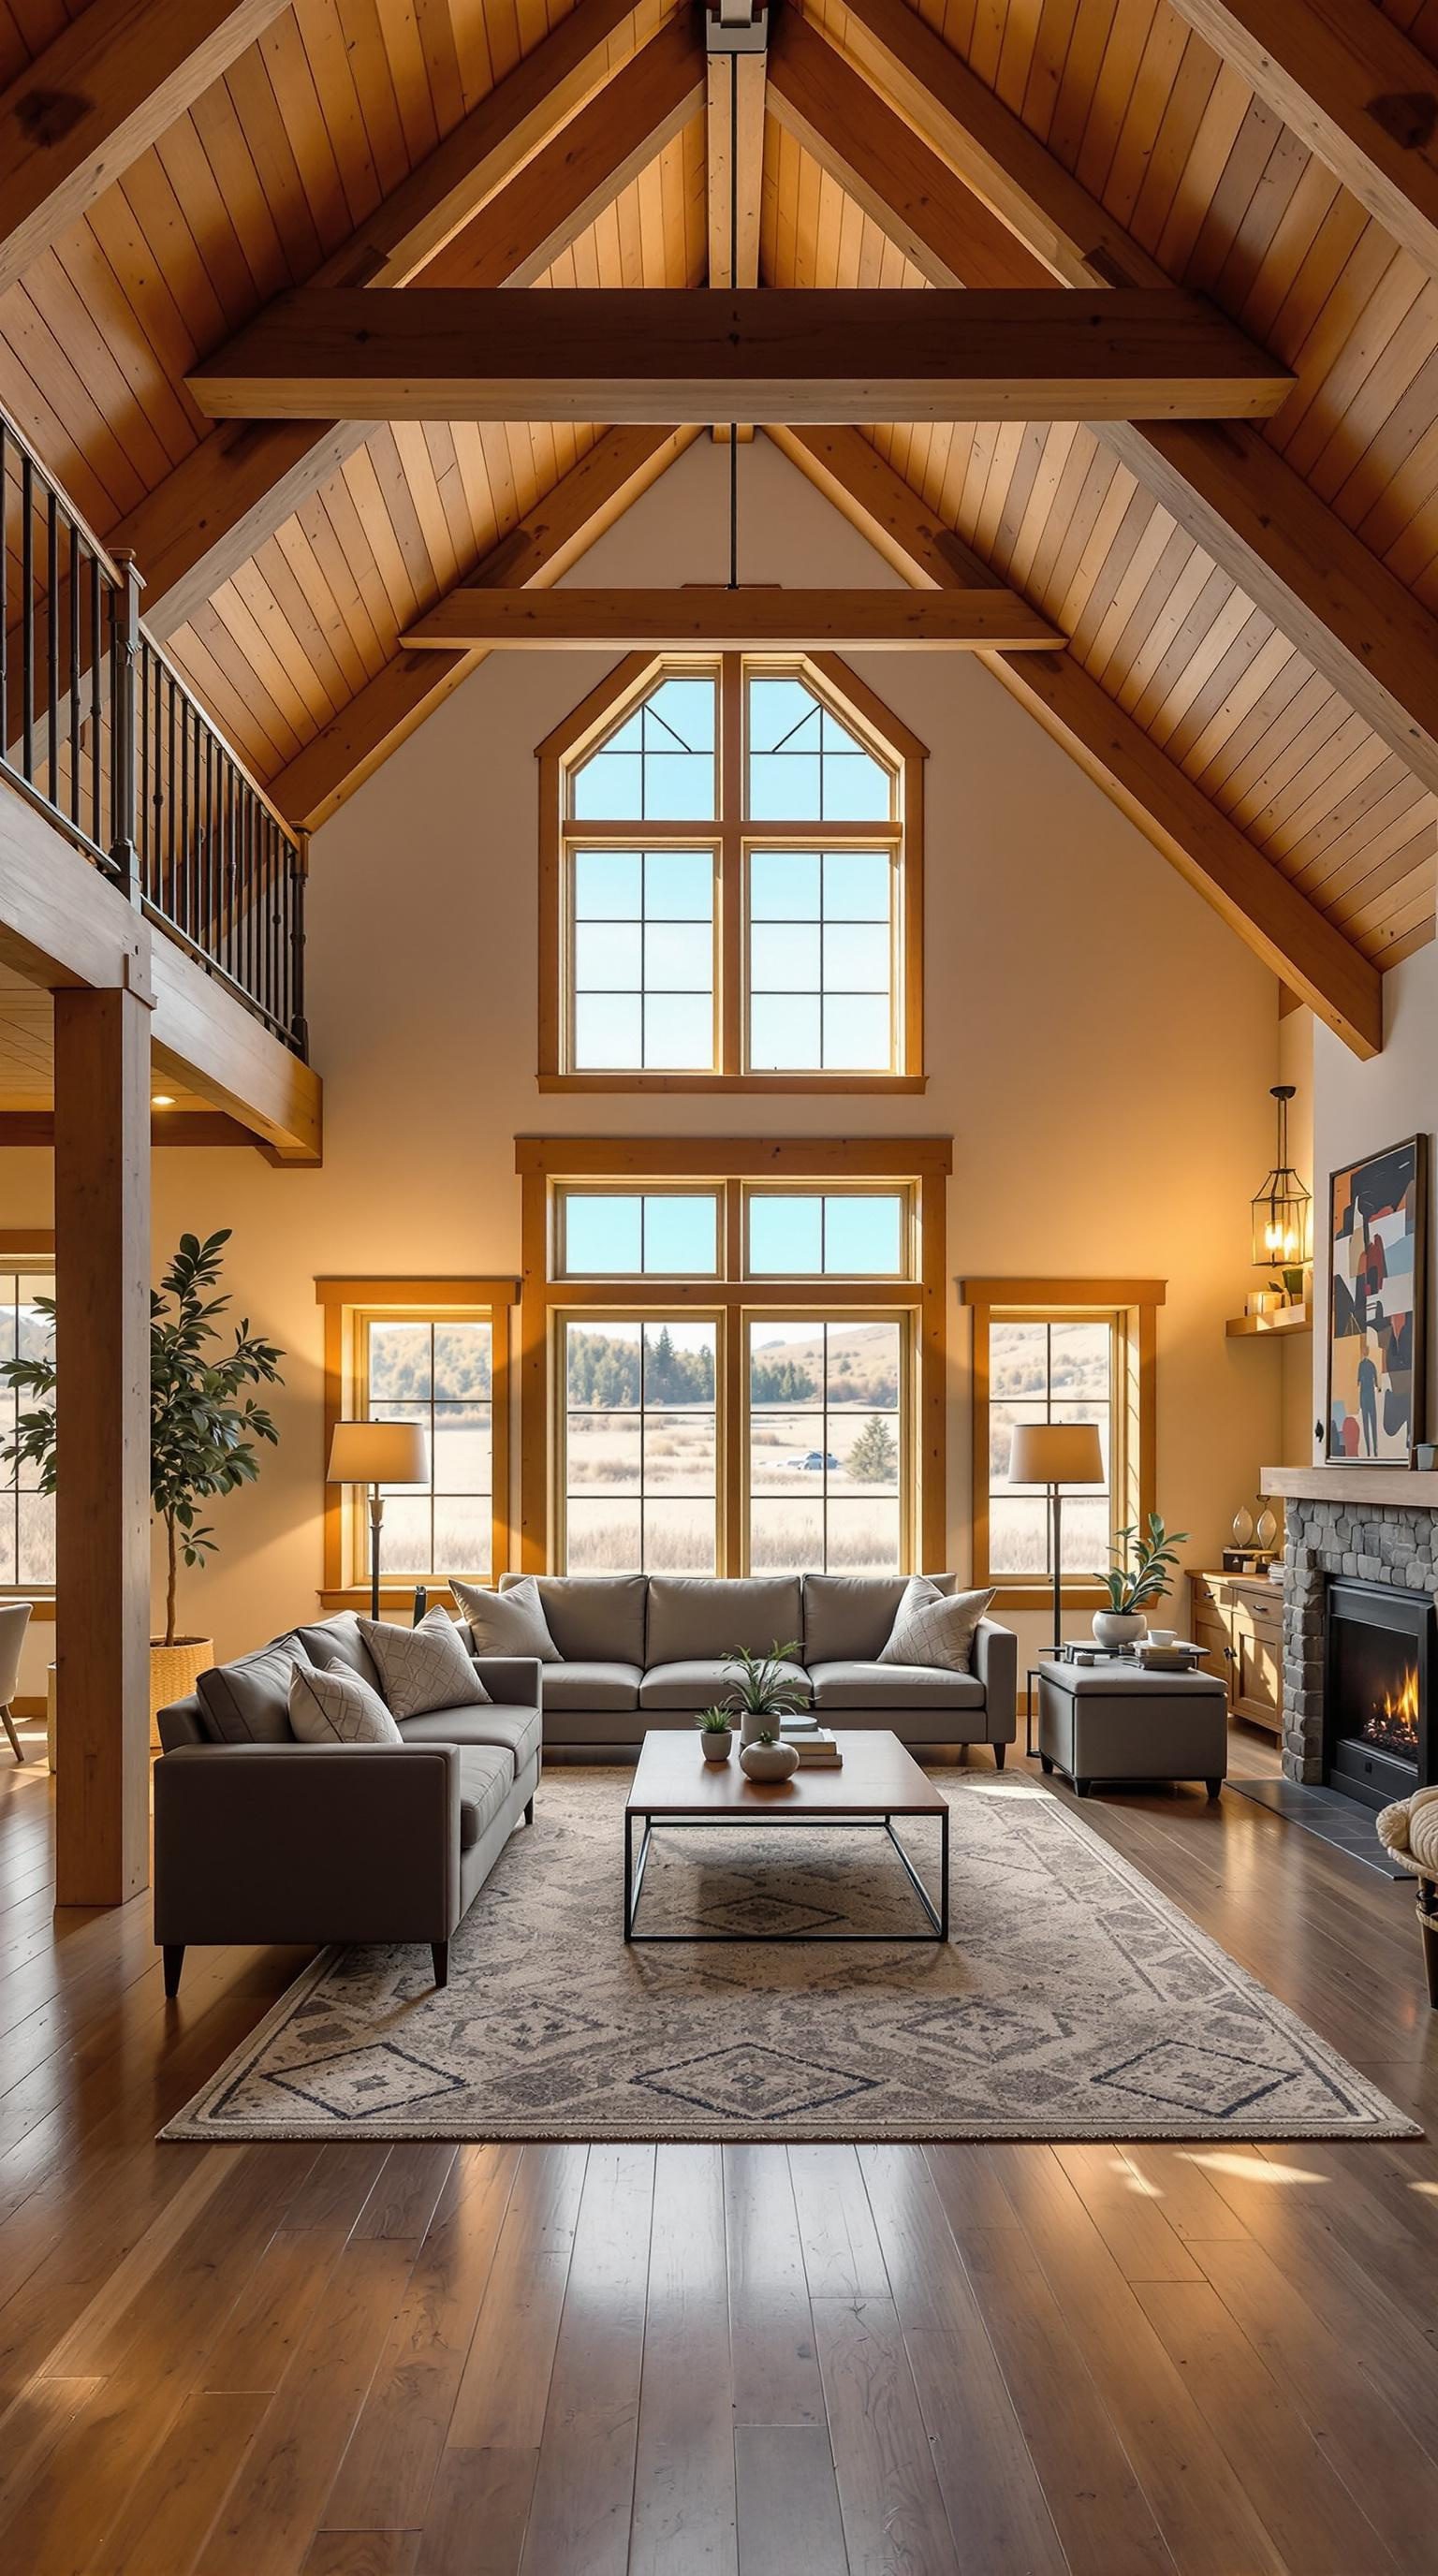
(261, 1838)
(642, 1651)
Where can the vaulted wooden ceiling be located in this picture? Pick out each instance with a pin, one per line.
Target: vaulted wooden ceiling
(1264, 704)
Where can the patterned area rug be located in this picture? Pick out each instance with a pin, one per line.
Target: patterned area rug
(1072, 2001)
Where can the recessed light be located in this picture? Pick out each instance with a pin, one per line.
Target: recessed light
(162, 1100)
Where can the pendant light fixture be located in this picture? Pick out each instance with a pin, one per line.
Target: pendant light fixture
(1282, 1209)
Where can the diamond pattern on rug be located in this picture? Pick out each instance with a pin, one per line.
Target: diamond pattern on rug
(1072, 1999)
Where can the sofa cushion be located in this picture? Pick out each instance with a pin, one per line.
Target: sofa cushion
(337, 1641)
(515, 1731)
(582, 1684)
(511, 1622)
(884, 1686)
(933, 1628)
(425, 1667)
(850, 1617)
(705, 1681)
(485, 1780)
(337, 1707)
(706, 1615)
(248, 1701)
(593, 1618)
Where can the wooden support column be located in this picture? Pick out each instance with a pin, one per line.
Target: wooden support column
(102, 1573)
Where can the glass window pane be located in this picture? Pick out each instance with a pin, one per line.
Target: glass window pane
(784, 1032)
(399, 1365)
(460, 1449)
(678, 787)
(681, 711)
(606, 1453)
(679, 1537)
(678, 1033)
(863, 1364)
(784, 787)
(862, 1536)
(609, 788)
(463, 1536)
(866, 1446)
(678, 885)
(405, 1543)
(603, 1231)
(863, 1235)
(858, 1034)
(602, 1537)
(1085, 1532)
(681, 1233)
(786, 1452)
(785, 1234)
(658, 764)
(854, 788)
(36, 1551)
(1019, 1536)
(784, 885)
(679, 1364)
(1081, 1360)
(777, 708)
(786, 1366)
(856, 885)
(786, 1537)
(656, 1444)
(608, 957)
(462, 1360)
(784, 957)
(602, 1364)
(607, 885)
(608, 1033)
(856, 957)
(679, 957)
(679, 1453)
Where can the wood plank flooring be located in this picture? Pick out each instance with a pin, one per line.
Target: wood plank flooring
(686, 2361)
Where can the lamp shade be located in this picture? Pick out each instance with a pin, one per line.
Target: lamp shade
(379, 1453)
(1056, 1453)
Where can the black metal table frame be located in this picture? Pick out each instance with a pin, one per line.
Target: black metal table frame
(635, 1865)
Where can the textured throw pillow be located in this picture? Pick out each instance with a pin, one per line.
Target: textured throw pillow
(933, 1627)
(338, 1708)
(246, 1702)
(507, 1623)
(425, 1667)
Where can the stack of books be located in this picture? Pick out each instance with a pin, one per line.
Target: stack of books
(817, 1746)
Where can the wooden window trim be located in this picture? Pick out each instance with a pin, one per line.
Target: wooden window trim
(1134, 1303)
(890, 739)
(29, 1243)
(343, 1299)
(729, 1162)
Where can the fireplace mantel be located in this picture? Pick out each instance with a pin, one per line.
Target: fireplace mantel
(1405, 1489)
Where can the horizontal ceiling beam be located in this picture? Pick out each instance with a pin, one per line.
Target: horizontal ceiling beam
(539, 144)
(546, 543)
(1227, 485)
(665, 355)
(99, 96)
(1353, 87)
(712, 620)
(1272, 916)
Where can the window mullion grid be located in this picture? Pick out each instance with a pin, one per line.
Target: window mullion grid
(732, 892)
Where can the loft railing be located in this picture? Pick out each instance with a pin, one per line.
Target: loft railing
(102, 733)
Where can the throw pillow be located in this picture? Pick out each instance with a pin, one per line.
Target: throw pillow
(338, 1708)
(425, 1667)
(507, 1623)
(246, 1702)
(933, 1627)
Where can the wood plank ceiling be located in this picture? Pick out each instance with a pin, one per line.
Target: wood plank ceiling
(274, 167)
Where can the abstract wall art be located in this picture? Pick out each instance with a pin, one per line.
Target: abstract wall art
(1377, 1306)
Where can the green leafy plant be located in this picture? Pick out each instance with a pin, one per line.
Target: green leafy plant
(203, 1428)
(766, 1735)
(764, 1689)
(715, 1721)
(1142, 1565)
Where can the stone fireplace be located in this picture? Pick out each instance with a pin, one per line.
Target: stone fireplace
(1360, 1582)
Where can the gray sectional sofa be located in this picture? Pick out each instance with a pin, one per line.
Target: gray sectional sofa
(640, 1651)
(261, 1838)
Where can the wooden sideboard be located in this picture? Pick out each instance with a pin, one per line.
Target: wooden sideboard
(1238, 1619)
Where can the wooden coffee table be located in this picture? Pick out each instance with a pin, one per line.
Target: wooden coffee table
(675, 1787)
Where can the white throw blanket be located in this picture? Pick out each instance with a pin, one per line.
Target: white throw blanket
(1410, 1831)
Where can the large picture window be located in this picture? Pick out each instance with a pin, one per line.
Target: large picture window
(732, 871)
(27, 1517)
(735, 1366)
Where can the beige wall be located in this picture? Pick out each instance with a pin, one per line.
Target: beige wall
(1100, 1047)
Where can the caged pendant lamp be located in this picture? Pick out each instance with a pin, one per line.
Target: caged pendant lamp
(1282, 1209)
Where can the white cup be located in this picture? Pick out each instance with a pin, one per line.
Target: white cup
(1162, 1636)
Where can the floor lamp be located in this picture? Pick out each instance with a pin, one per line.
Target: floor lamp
(1056, 1454)
(376, 1454)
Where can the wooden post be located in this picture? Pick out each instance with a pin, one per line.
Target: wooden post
(102, 1270)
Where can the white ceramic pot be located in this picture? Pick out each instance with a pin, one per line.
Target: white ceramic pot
(754, 1723)
(769, 1762)
(716, 1746)
(1119, 1627)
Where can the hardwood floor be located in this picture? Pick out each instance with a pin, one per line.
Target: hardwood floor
(623, 2361)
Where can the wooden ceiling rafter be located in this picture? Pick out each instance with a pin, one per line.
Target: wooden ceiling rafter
(1226, 485)
(220, 503)
(757, 620)
(1272, 915)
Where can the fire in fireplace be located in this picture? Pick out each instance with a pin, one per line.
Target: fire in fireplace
(1378, 1742)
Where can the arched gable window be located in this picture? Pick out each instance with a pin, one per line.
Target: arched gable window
(732, 865)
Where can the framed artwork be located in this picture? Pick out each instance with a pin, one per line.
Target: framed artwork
(1377, 1306)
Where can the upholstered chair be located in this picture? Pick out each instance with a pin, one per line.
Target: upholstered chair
(14, 1620)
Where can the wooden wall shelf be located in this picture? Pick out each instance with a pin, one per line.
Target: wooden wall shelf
(1407, 1487)
(1287, 1319)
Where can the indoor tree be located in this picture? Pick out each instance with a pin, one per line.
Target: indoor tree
(203, 1426)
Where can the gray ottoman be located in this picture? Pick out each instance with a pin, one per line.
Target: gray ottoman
(1114, 1722)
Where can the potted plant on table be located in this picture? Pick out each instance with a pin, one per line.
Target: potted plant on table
(203, 1429)
(716, 1733)
(1140, 1569)
(764, 1691)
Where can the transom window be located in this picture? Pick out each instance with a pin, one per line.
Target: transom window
(739, 1372)
(732, 881)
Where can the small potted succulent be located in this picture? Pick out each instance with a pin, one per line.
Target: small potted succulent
(1140, 1569)
(767, 1758)
(716, 1733)
(764, 1692)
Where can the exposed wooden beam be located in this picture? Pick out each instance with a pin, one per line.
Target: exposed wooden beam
(1227, 485)
(1354, 88)
(668, 355)
(228, 496)
(628, 621)
(735, 115)
(1270, 914)
(206, 1041)
(546, 543)
(97, 97)
(187, 1127)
